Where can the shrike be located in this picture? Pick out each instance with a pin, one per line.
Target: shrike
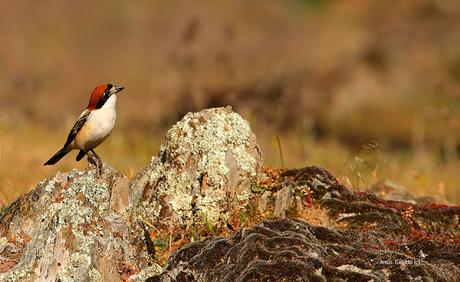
(93, 126)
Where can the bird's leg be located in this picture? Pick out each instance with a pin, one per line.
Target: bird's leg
(94, 161)
(98, 162)
(91, 160)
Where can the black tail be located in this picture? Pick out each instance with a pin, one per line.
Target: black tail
(61, 153)
(80, 155)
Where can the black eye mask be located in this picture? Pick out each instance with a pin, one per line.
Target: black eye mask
(105, 96)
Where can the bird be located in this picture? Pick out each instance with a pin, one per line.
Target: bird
(92, 127)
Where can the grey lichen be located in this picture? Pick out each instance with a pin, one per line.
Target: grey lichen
(80, 260)
(145, 273)
(95, 275)
(3, 242)
(16, 275)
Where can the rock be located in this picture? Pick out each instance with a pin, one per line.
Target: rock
(203, 172)
(343, 235)
(283, 200)
(388, 190)
(145, 273)
(325, 201)
(69, 228)
(293, 250)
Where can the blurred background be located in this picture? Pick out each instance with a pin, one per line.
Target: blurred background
(368, 90)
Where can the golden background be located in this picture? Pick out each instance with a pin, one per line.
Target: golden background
(367, 89)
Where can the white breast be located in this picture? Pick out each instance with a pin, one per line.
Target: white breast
(99, 124)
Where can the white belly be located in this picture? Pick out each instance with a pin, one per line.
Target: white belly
(98, 126)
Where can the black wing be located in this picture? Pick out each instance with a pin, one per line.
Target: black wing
(77, 126)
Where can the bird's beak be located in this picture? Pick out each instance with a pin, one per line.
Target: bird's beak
(118, 89)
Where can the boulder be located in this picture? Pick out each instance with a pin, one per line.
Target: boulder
(71, 227)
(203, 172)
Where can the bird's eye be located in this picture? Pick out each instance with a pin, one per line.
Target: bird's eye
(106, 94)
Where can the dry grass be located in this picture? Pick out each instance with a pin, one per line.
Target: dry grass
(327, 77)
(420, 173)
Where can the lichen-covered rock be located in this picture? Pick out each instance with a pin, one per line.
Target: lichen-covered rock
(203, 172)
(292, 250)
(69, 228)
(314, 194)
